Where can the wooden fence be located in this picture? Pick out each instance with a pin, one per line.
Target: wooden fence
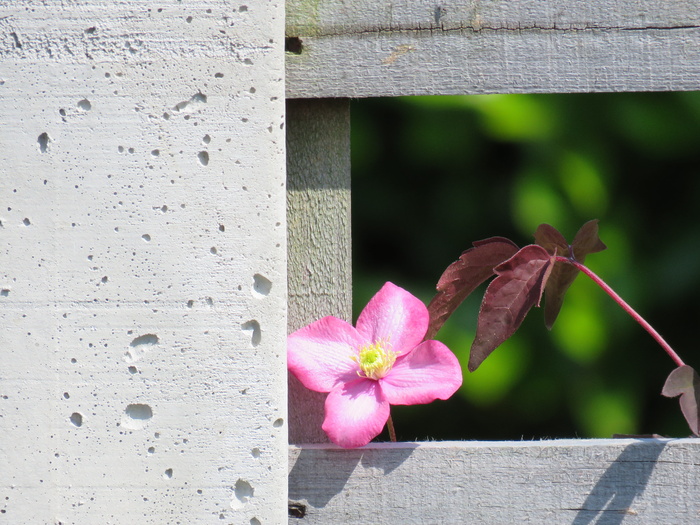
(368, 48)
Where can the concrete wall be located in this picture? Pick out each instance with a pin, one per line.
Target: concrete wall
(142, 262)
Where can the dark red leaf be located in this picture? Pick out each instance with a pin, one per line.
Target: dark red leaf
(685, 382)
(551, 240)
(462, 277)
(518, 287)
(587, 241)
(563, 274)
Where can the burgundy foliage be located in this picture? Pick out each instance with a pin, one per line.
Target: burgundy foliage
(508, 299)
(685, 382)
(585, 242)
(462, 277)
(523, 275)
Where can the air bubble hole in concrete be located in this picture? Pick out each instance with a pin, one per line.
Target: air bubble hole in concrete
(43, 141)
(139, 411)
(242, 493)
(261, 285)
(136, 416)
(77, 419)
(256, 333)
(146, 339)
(139, 347)
(197, 97)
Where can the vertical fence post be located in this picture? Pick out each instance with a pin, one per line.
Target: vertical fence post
(142, 262)
(318, 204)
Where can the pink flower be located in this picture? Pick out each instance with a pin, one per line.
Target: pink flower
(382, 361)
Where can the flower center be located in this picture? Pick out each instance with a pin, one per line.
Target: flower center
(375, 360)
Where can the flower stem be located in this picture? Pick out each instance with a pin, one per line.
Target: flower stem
(390, 427)
(626, 307)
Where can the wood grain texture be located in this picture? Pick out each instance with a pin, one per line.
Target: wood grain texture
(640, 481)
(318, 222)
(389, 48)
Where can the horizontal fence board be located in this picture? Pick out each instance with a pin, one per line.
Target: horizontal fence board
(388, 48)
(578, 482)
(342, 16)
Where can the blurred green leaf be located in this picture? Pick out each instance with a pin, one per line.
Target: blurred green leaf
(515, 118)
(581, 330)
(535, 201)
(497, 376)
(602, 412)
(583, 185)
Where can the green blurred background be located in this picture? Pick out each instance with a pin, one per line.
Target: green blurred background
(432, 174)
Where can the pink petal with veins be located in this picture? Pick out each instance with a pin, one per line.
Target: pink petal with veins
(428, 373)
(396, 316)
(319, 355)
(355, 413)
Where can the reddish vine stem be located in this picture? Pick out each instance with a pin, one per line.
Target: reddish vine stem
(390, 427)
(626, 307)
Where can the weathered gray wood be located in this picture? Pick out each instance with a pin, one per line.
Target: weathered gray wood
(318, 222)
(412, 47)
(570, 481)
(406, 47)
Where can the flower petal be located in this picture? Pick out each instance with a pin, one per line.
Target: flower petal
(355, 413)
(428, 373)
(396, 316)
(319, 354)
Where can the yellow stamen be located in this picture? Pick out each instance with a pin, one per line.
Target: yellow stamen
(375, 360)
